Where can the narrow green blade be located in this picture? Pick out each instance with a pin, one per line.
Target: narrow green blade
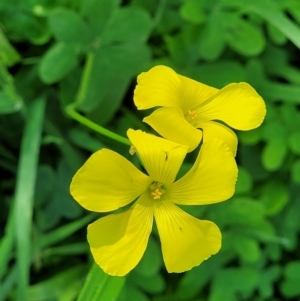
(24, 192)
(99, 286)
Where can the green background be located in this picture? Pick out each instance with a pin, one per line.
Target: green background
(70, 66)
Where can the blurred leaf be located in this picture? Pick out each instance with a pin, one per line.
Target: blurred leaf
(153, 284)
(210, 74)
(276, 35)
(68, 27)
(250, 137)
(294, 142)
(151, 262)
(230, 283)
(267, 282)
(296, 171)
(113, 64)
(63, 286)
(274, 196)
(98, 13)
(274, 153)
(7, 52)
(244, 181)
(269, 10)
(63, 232)
(211, 43)
(132, 293)
(57, 62)
(99, 286)
(246, 247)
(237, 211)
(290, 286)
(84, 140)
(242, 36)
(193, 11)
(136, 26)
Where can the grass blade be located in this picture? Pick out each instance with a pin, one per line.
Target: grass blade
(99, 286)
(24, 192)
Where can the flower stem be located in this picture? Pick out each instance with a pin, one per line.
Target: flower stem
(71, 108)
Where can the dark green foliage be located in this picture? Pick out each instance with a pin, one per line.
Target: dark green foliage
(83, 56)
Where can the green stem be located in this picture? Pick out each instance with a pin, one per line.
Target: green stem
(87, 70)
(70, 110)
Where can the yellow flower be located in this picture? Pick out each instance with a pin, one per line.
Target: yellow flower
(188, 106)
(107, 181)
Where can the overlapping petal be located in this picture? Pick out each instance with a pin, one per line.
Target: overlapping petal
(161, 158)
(186, 241)
(217, 130)
(107, 181)
(160, 86)
(238, 105)
(171, 124)
(212, 178)
(194, 93)
(118, 241)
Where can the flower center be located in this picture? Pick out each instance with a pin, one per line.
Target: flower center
(156, 190)
(192, 114)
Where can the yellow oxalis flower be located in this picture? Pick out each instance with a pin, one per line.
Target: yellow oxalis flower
(107, 181)
(187, 106)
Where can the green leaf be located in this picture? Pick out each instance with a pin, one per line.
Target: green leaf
(244, 181)
(269, 11)
(231, 281)
(7, 51)
(99, 286)
(84, 140)
(274, 196)
(210, 74)
(274, 154)
(136, 26)
(290, 286)
(242, 36)
(193, 11)
(151, 262)
(132, 293)
(24, 192)
(211, 43)
(98, 13)
(68, 27)
(237, 211)
(246, 247)
(276, 35)
(294, 142)
(113, 65)
(296, 171)
(57, 62)
(63, 286)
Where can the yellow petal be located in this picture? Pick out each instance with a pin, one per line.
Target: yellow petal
(118, 241)
(172, 125)
(238, 105)
(107, 181)
(194, 93)
(212, 178)
(185, 240)
(161, 158)
(212, 130)
(162, 86)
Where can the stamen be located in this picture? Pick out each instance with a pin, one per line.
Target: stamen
(156, 190)
(132, 150)
(192, 113)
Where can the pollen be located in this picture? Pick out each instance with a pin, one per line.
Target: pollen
(192, 113)
(132, 150)
(156, 190)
